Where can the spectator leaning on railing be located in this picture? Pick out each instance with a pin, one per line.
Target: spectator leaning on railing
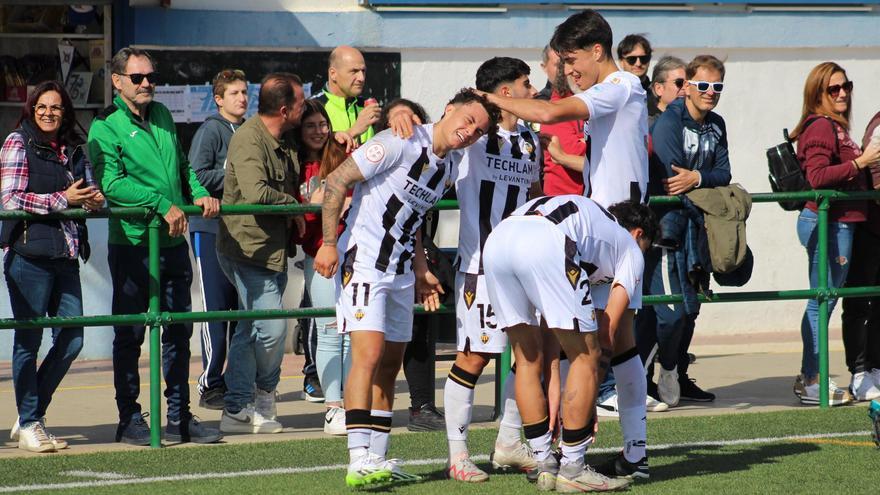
(44, 168)
(208, 158)
(861, 315)
(262, 168)
(139, 163)
(831, 160)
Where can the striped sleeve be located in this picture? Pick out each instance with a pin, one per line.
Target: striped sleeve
(14, 177)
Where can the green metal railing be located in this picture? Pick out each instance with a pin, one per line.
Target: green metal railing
(154, 318)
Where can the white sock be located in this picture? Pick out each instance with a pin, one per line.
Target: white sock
(541, 446)
(511, 421)
(632, 390)
(357, 424)
(380, 435)
(458, 403)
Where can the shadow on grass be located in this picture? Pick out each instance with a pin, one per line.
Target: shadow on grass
(701, 462)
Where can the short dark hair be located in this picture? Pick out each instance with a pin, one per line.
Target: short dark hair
(581, 31)
(276, 91)
(629, 43)
(498, 70)
(631, 215)
(417, 109)
(710, 62)
(465, 96)
(120, 60)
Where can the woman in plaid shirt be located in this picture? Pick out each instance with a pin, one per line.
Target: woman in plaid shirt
(44, 168)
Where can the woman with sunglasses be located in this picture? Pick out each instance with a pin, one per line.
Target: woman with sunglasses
(44, 169)
(320, 155)
(831, 159)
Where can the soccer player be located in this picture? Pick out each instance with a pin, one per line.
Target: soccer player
(615, 170)
(395, 182)
(547, 256)
(497, 175)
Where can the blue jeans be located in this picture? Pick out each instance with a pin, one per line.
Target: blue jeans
(257, 346)
(130, 275)
(840, 241)
(661, 324)
(38, 288)
(333, 356)
(217, 295)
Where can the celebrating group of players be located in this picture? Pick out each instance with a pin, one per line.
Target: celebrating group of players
(553, 276)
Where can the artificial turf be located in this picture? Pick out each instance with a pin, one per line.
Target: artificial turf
(845, 464)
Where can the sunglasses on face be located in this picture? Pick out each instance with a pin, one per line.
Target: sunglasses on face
(703, 86)
(834, 91)
(679, 83)
(643, 59)
(137, 79)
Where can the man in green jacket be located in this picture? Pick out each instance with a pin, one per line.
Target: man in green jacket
(138, 162)
(261, 168)
(342, 96)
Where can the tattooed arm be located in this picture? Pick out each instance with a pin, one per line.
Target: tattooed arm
(335, 190)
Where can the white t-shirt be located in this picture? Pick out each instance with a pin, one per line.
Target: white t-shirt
(604, 249)
(403, 180)
(616, 165)
(493, 180)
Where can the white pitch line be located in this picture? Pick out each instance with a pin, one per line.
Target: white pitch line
(97, 474)
(415, 462)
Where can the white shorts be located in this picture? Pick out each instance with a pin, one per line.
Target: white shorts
(367, 299)
(526, 270)
(475, 319)
(602, 292)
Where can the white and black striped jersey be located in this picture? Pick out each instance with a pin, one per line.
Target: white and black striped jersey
(616, 164)
(493, 180)
(403, 180)
(595, 242)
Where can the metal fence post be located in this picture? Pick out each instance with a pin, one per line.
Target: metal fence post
(502, 368)
(822, 298)
(153, 316)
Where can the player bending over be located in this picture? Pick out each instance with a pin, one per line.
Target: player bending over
(546, 256)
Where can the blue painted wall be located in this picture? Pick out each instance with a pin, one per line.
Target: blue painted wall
(513, 29)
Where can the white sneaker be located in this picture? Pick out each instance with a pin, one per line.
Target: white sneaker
(248, 420)
(464, 469)
(32, 437)
(809, 394)
(265, 404)
(607, 406)
(875, 377)
(334, 421)
(863, 388)
(364, 471)
(667, 386)
(517, 456)
(654, 405)
(57, 442)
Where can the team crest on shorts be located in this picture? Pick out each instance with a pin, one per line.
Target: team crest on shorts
(484, 338)
(359, 314)
(346, 278)
(470, 289)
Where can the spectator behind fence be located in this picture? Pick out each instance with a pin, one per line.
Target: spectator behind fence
(861, 315)
(208, 158)
(320, 155)
(349, 112)
(634, 53)
(262, 169)
(830, 160)
(44, 168)
(139, 162)
(563, 142)
(667, 84)
(419, 359)
(690, 145)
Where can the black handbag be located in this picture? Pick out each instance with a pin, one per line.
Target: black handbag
(786, 174)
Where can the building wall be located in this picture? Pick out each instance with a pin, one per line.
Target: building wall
(768, 55)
